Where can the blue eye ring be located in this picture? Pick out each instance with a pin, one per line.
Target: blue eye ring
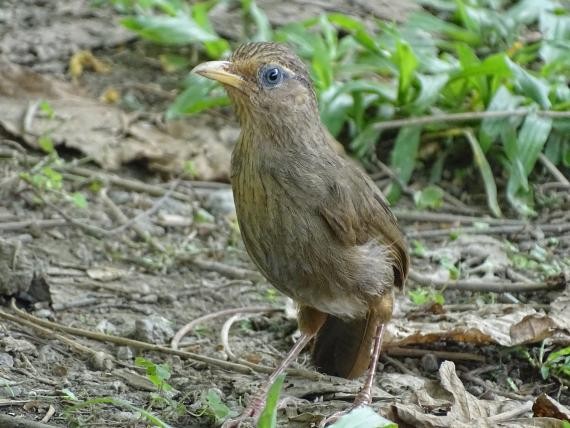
(272, 76)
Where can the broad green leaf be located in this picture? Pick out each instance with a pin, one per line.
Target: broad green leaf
(531, 139)
(215, 405)
(530, 142)
(168, 30)
(486, 174)
(334, 106)
(195, 98)
(365, 141)
(495, 65)
(403, 157)
(357, 28)
(532, 87)
(491, 128)
(429, 197)
(433, 24)
(217, 48)
(407, 63)
(263, 26)
(555, 29)
(79, 200)
(363, 417)
(268, 418)
(430, 89)
(468, 58)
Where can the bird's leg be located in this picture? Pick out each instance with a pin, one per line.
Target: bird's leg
(257, 403)
(364, 396)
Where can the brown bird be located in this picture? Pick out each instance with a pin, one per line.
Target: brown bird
(314, 224)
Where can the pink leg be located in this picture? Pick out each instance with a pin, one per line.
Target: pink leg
(257, 403)
(365, 394)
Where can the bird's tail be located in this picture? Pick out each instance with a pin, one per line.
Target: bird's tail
(343, 347)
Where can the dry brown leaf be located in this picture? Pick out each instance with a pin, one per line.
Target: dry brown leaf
(102, 132)
(549, 407)
(450, 405)
(490, 324)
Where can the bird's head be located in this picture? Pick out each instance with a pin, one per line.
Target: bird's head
(266, 81)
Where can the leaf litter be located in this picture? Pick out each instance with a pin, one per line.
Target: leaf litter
(118, 283)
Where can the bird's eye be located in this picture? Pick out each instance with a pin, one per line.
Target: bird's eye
(271, 76)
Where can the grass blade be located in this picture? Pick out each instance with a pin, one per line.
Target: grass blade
(268, 418)
(486, 173)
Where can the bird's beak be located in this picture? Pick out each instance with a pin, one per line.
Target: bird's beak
(219, 70)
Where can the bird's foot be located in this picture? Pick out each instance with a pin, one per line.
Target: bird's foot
(362, 399)
(250, 414)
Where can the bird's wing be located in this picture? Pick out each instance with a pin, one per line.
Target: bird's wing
(349, 202)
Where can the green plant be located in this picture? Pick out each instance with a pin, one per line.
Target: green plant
(213, 407)
(455, 57)
(78, 405)
(363, 417)
(423, 295)
(268, 417)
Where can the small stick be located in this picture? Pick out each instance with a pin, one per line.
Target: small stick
(511, 414)
(155, 207)
(119, 216)
(221, 268)
(498, 230)
(443, 355)
(42, 224)
(556, 173)
(485, 286)
(14, 422)
(466, 116)
(452, 218)
(174, 344)
(398, 364)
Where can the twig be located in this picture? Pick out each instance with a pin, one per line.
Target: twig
(221, 268)
(174, 344)
(556, 173)
(478, 381)
(119, 216)
(224, 336)
(398, 364)
(511, 414)
(485, 286)
(443, 355)
(466, 116)
(498, 230)
(101, 337)
(155, 207)
(408, 215)
(24, 224)
(14, 422)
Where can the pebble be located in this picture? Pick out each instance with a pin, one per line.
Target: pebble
(6, 360)
(125, 353)
(101, 361)
(155, 329)
(430, 363)
(221, 202)
(107, 327)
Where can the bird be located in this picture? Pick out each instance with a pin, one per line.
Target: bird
(315, 224)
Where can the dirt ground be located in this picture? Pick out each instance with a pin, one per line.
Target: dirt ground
(110, 241)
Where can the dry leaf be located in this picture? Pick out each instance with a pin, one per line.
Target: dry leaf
(549, 407)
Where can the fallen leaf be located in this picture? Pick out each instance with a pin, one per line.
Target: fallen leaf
(547, 406)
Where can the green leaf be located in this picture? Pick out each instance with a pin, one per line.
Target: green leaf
(357, 28)
(532, 87)
(217, 48)
(169, 30)
(79, 200)
(268, 418)
(486, 174)
(430, 90)
(215, 406)
(429, 197)
(47, 109)
(555, 30)
(407, 63)
(491, 128)
(263, 26)
(46, 144)
(494, 65)
(363, 417)
(196, 98)
(365, 141)
(403, 157)
(531, 139)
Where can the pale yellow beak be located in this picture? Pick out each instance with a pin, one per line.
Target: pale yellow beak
(219, 70)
